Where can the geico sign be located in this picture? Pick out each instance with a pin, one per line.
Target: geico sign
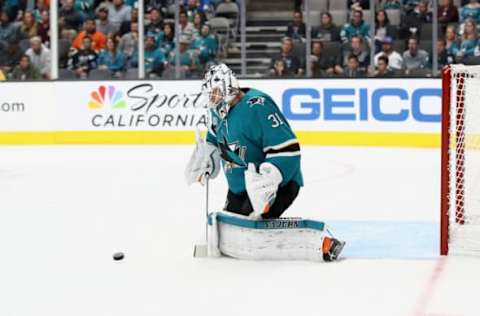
(347, 104)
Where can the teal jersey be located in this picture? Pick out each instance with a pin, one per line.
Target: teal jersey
(255, 131)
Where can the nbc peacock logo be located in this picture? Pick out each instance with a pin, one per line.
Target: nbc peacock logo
(107, 96)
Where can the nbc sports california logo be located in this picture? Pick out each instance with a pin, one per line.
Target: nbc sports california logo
(107, 96)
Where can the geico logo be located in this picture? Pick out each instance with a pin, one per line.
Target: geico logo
(347, 104)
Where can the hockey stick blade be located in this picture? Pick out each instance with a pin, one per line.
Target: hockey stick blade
(200, 251)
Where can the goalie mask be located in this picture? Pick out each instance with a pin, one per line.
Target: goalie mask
(220, 87)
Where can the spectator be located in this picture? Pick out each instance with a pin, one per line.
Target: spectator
(469, 40)
(279, 69)
(412, 21)
(188, 60)
(154, 58)
(99, 40)
(125, 27)
(472, 11)
(118, 12)
(198, 22)
(413, 57)
(321, 64)
(395, 60)
(44, 27)
(326, 31)
(103, 23)
(29, 27)
(191, 7)
(206, 45)
(382, 69)
(186, 28)
(451, 41)
(155, 25)
(296, 29)
(40, 6)
(111, 58)
(83, 60)
(86, 7)
(422, 12)
(357, 26)
(69, 18)
(383, 29)
(25, 70)
(358, 50)
(444, 57)
(292, 63)
(447, 12)
(129, 41)
(11, 8)
(8, 31)
(167, 41)
(389, 5)
(39, 56)
(353, 68)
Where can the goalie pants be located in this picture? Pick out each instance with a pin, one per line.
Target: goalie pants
(240, 203)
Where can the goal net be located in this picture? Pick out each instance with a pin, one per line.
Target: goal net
(460, 204)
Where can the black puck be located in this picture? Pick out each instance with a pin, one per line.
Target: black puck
(118, 256)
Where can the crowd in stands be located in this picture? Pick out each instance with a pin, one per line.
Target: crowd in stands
(403, 48)
(99, 38)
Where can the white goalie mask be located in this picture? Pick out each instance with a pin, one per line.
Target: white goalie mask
(220, 87)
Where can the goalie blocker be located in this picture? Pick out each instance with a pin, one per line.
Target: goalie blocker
(241, 237)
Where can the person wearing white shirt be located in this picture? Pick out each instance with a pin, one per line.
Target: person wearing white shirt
(39, 56)
(395, 60)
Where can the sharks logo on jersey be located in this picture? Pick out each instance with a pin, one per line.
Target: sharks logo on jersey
(256, 100)
(233, 154)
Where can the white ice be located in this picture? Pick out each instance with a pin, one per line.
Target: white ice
(65, 210)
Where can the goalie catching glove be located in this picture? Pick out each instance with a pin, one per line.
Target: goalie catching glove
(262, 187)
(205, 159)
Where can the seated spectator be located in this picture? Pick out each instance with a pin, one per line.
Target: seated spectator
(39, 56)
(443, 56)
(469, 40)
(129, 41)
(125, 27)
(358, 4)
(206, 45)
(412, 21)
(413, 57)
(353, 68)
(192, 7)
(451, 41)
(395, 60)
(188, 61)
(85, 7)
(296, 29)
(383, 29)
(40, 6)
(84, 59)
(44, 27)
(356, 27)
(29, 27)
(382, 70)
(470, 10)
(154, 58)
(279, 69)
(112, 58)
(8, 30)
(25, 70)
(103, 23)
(167, 41)
(326, 31)
(99, 40)
(358, 50)
(198, 22)
(321, 64)
(69, 17)
(118, 12)
(389, 5)
(186, 28)
(11, 8)
(155, 23)
(447, 12)
(292, 63)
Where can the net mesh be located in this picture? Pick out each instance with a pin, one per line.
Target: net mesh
(464, 161)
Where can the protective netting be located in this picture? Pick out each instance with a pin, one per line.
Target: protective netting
(464, 160)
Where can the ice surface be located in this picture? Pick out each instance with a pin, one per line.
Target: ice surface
(65, 210)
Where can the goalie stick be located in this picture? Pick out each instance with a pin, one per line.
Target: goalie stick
(201, 250)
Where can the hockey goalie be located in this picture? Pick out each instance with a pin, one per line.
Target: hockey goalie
(260, 155)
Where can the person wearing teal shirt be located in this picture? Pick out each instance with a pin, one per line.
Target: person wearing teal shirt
(188, 59)
(357, 27)
(471, 10)
(206, 45)
(154, 58)
(112, 58)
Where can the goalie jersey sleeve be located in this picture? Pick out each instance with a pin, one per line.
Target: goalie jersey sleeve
(255, 131)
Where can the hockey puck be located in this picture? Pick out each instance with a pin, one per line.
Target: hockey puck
(118, 256)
